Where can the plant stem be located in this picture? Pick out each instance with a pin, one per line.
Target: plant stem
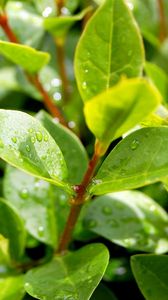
(33, 79)
(163, 25)
(59, 4)
(77, 203)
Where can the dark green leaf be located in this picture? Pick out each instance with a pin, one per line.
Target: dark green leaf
(12, 288)
(30, 195)
(26, 144)
(140, 159)
(71, 147)
(12, 228)
(22, 55)
(130, 219)
(72, 276)
(117, 110)
(150, 272)
(109, 47)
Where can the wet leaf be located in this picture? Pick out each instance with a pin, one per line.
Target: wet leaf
(108, 49)
(72, 276)
(130, 219)
(150, 272)
(139, 159)
(26, 145)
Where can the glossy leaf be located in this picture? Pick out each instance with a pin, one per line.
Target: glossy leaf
(130, 219)
(12, 288)
(59, 26)
(117, 110)
(30, 195)
(12, 228)
(26, 144)
(71, 147)
(108, 49)
(150, 272)
(74, 275)
(139, 159)
(159, 78)
(22, 55)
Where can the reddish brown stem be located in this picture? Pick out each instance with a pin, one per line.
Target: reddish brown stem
(8, 31)
(163, 25)
(33, 79)
(59, 4)
(76, 204)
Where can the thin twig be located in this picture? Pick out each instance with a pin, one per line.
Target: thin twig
(163, 24)
(77, 204)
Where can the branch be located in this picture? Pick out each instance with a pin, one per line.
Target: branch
(32, 79)
(163, 25)
(78, 202)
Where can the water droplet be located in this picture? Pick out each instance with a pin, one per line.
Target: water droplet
(33, 139)
(97, 181)
(152, 208)
(57, 96)
(107, 210)
(121, 271)
(71, 124)
(27, 284)
(24, 194)
(86, 70)
(134, 144)
(91, 223)
(113, 223)
(56, 82)
(65, 11)
(41, 231)
(84, 85)
(30, 130)
(46, 138)
(14, 139)
(39, 136)
(47, 11)
(28, 148)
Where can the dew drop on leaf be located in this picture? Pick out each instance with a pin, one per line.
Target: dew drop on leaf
(30, 130)
(41, 231)
(28, 148)
(134, 144)
(113, 223)
(14, 139)
(39, 136)
(92, 223)
(46, 138)
(24, 194)
(33, 139)
(107, 210)
(84, 85)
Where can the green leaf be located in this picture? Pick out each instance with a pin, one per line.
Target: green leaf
(109, 47)
(72, 276)
(22, 55)
(26, 144)
(30, 195)
(150, 272)
(59, 26)
(130, 219)
(102, 292)
(140, 159)
(117, 110)
(74, 153)
(159, 78)
(12, 288)
(12, 228)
